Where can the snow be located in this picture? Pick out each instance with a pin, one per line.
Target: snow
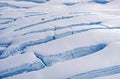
(99, 60)
(59, 39)
(12, 61)
(12, 65)
(77, 40)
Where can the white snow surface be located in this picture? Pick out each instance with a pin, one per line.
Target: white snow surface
(59, 39)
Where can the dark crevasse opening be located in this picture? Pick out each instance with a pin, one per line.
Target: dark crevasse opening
(70, 3)
(71, 54)
(101, 1)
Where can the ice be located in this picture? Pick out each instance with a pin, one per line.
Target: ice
(70, 4)
(59, 39)
(101, 1)
(19, 64)
(77, 40)
(101, 63)
(19, 45)
(70, 54)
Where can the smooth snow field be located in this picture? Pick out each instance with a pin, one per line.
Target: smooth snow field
(59, 39)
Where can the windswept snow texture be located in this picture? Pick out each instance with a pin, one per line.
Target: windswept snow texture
(59, 39)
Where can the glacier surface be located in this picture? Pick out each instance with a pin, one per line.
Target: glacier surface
(59, 39)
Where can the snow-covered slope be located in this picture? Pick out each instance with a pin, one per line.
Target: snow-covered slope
(59, 39)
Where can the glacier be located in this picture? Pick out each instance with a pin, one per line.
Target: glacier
(59, 39)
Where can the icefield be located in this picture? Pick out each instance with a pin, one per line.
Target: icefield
(59, 39)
